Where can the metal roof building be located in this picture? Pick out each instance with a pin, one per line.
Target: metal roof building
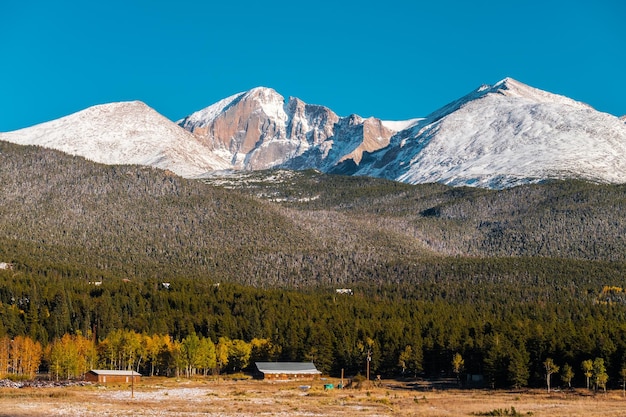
(106, 375)
(287, 370)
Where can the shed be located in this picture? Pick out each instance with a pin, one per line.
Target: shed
(104, 376)
(281, 371)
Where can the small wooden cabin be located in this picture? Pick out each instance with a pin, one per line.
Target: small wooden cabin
(103, 376)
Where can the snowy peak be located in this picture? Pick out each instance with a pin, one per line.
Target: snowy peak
(504, 135)
(269, 101)
(263, 99)
(122, 133)
(507, 92)
(513, 88)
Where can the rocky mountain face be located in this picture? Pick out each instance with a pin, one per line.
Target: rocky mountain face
(258, 129)
(497, 136)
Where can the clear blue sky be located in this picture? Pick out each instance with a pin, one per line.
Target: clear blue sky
(393, 59)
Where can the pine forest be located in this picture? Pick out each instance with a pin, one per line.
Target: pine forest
(126, 267)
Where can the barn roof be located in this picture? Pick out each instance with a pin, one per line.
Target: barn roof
(287, 368)
(114, 372)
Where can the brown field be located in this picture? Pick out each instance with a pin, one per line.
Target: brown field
(167, 397)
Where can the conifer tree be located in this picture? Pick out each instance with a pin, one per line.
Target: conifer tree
(587, 367)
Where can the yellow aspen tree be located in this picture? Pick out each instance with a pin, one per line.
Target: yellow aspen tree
(25, 356)
(175, 353)
(458, 363)
(70, 358)
(133, 349)
(87, 354)
(239, 354)
(551, 368)
(153, 349)
(167, 347)
(157, 349)
(5, 351)
(31, 357)
(208, 357)
(14, 355)
(221, 351)
(263, 350)
(55, 358)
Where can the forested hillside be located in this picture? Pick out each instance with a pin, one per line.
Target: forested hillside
(140, 222)
(307, 229)
(564, 219)
(505, 278)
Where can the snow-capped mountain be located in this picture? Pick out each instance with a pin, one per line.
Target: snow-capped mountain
(505, 135)
(123, 133)
(497, 136)
(258, 129)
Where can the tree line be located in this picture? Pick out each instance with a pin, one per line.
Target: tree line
(71, 356)
(503, 329)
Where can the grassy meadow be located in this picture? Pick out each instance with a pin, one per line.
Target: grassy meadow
(169, 397)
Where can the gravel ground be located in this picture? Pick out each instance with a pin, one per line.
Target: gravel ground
(164, 397)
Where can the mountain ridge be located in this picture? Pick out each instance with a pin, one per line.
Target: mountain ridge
(496, 136)
(505, 135)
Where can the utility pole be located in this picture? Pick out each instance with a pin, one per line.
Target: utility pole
(369, 359)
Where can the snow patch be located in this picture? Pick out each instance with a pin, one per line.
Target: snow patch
(399, 125)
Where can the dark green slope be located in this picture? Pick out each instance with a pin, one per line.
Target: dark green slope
(562, 219)
(78, 217)
(72, 217)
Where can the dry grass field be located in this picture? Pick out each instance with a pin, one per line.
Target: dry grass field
(167, 397)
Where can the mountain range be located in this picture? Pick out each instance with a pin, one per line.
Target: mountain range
(497, 136)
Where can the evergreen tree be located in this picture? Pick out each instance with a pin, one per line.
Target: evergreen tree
(622, 374)
(587, 367)
(518, 371)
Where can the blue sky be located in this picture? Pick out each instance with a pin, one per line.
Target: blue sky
(393, 59)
